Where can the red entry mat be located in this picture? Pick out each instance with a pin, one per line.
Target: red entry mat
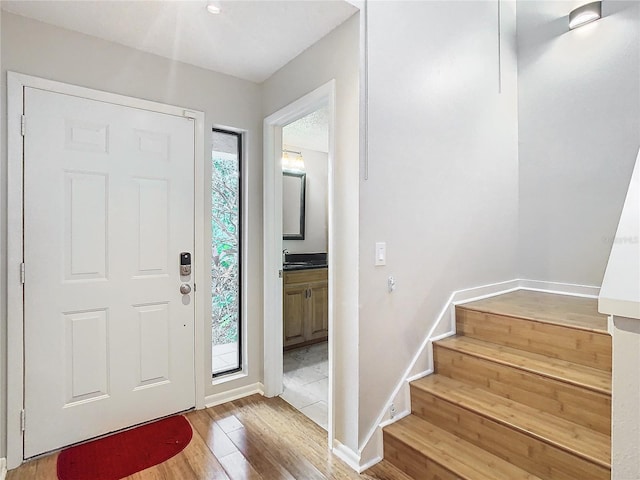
(125, 453)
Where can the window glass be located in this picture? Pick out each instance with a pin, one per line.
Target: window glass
(225, 252)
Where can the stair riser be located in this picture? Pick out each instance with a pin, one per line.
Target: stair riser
(531, 454)
(412, 462)
(574, 345)
(558, 398)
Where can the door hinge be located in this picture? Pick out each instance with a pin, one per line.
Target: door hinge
(279, 273)
(22, 273)
(22, 420)
(22, 125)
(194, 287)
(188, 114)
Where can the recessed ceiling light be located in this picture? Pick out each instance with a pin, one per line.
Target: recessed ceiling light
(213, 8)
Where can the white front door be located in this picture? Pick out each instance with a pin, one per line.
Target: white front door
(108, 208)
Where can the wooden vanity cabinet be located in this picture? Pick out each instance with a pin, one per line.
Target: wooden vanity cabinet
(305, 307)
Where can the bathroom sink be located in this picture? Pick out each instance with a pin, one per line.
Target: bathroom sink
(302, 266)
(301, 261)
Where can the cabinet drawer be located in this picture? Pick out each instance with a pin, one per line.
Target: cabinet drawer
(306, 276)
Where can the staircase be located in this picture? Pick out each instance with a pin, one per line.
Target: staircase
(523, 391)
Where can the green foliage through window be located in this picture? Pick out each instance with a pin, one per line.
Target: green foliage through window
(225, 265)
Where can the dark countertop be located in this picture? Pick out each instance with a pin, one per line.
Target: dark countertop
(304, 261)
(289, 267)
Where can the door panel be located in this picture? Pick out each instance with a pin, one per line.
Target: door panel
(86, 363)
(108, 207)
(154, 344)
(85, 225)
(152, 226)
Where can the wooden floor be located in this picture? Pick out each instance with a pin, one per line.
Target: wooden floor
(576, 312)
(251, 438)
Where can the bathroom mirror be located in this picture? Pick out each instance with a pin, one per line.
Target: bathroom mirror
(293, 197)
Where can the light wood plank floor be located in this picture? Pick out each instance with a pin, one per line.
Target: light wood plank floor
(578, 312)
(251, 438)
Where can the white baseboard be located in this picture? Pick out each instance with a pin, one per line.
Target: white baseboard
(397, 417)
(371, 449)
(417, 376)
(485, 291)
(560, 288)
(347, 455)
(369, 464)
(3, 468)
(230, 395)
(351, 458)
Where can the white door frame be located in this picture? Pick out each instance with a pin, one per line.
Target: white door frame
(15, 308)
(272, 210)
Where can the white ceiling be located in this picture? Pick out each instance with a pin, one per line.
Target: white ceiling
(250, 39)
(310, 132)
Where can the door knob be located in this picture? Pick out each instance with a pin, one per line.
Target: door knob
(185, 289)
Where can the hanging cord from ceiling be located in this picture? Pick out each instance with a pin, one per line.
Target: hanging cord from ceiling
(365, 87)
(499, 46)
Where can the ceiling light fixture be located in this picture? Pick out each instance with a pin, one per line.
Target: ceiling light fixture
(292, 164)
(585, 14)
(213, 8)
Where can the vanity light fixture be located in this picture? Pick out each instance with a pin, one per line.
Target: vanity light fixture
(292, 164)
(585, 14)
(213, 8)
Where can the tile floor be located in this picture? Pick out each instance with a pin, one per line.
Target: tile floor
(306, 381)
(224, 357)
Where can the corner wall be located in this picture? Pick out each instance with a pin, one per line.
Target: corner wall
(39, 49)
(443, 175)
(579, 130)
(336, 56)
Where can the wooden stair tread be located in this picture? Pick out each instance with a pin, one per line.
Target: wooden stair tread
(576, 312)
(576, 439)
(526, 382)
(462, 458)
(563, 370)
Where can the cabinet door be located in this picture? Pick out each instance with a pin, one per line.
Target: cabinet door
(294, 311)
(318, 323)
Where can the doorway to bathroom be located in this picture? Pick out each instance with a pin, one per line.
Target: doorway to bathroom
(298, 269)
(305, 235)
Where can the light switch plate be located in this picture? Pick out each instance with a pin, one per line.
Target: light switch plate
(381, 253)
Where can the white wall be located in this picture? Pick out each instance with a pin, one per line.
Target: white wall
(315, 240)
(625, 414)
(579, 117)
(336, 56)
(620, 292)
(39, 49)
(443, 175)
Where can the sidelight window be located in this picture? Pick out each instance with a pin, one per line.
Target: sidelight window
(226, 250)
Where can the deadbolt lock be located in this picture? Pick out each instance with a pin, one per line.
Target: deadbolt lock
(185, 264)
